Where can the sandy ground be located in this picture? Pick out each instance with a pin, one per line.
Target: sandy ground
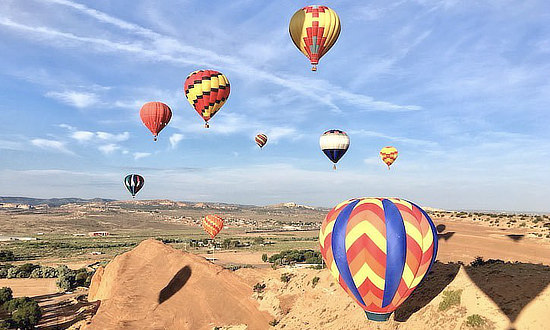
(157, 287)
(59, 310)
(463, 241)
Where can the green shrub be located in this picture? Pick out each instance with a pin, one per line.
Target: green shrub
(6, 255)
(450, 298)
(274, 322)
(66, 282)
(286, 277)
(259, 287)
(27, 315)
(314, 281)
(264, 257)
(475, 321)
(5, 295)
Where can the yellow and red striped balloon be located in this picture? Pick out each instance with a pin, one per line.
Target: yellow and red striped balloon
(212, 224)
(206, 91)
(388, 155)
(261, 140)
(379, 250)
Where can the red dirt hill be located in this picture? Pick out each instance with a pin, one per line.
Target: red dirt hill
(157, 287)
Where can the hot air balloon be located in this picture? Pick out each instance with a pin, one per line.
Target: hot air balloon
(334, 144)
(134, 183)
(261, 140)
(212, 224)
(379, 250)
(388, 155)
(314, 30)
(155, 115)
(206, 91)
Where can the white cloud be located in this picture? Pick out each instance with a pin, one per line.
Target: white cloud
(139, 155)
(76, 99)
(399, 139)
(167, 49)
(108, 149)
(82, 136)
(113, 137)
(87, 136)
(51, 145)
(175, 139)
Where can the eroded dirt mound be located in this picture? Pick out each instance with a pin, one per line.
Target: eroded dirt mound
(157, 287)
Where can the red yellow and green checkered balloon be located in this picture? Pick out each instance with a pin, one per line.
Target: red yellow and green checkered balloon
(379, 250)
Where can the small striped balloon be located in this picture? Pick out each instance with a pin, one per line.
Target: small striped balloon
(379, 250)
(212, 224)
(388, 155)
(261, 140)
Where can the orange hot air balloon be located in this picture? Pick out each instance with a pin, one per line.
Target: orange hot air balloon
(155, 116)
(212, 224)
(388, 155)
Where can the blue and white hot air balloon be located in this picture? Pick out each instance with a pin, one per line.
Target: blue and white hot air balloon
(334, 144)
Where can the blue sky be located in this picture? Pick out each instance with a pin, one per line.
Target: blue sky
(461, 88)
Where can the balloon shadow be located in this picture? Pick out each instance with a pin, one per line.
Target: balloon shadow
(175, 284)
(435, 282)
(511, 285)
(516, 237)
(445, 236)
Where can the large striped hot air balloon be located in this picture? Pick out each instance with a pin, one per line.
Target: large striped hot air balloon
(155, 116)
(134, 183)
(206, 91)
(379, 250)
(334, 144)
(314, 30)
(261, 140)
(212, 224)
(388, 155)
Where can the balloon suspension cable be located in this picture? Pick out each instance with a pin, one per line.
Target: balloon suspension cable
(334, 167)
(314, 68)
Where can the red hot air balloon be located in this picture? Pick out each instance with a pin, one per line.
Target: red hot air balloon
(379, 250)
(155, 116)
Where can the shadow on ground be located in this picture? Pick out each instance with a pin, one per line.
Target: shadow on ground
(436, 281)
(175, 284)
(511, 285)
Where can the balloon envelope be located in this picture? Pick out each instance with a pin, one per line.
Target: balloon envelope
(334, 144)
(212, 224)
(388, 155)
(134, 183)
(261, 140)
(379, 250)
(206, 91)
(155, 116)
(314, 30)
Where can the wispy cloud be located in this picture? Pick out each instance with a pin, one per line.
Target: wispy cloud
(53, 145)
(175, 139)
(163, 48)
(86, 136)
(108, 149)
(76, 99)
(139, 155)
(399, 139)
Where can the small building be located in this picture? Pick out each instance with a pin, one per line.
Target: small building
(99, 234)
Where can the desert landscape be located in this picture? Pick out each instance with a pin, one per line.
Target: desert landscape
(154, 268)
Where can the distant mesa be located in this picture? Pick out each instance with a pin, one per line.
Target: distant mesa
(290, 205)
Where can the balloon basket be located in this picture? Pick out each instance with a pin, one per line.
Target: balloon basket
(206, 125)
(334, 167)
(378, 317)
(314, 68)
(154, 138)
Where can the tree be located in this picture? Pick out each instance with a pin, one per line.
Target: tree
(6, 255)
(27, 315)
(5, 295)
(258, 240)
(264, 257)
(66, 282)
